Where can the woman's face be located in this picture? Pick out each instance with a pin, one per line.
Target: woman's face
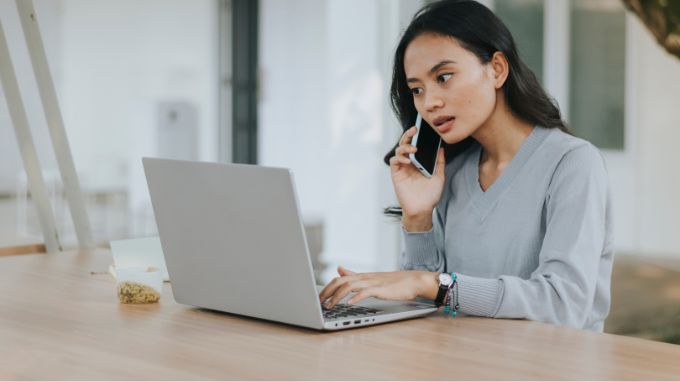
(452, 90)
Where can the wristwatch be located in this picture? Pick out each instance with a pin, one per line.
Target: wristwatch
(445, 280)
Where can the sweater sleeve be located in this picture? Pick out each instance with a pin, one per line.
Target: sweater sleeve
(424, 250)
(562, 288)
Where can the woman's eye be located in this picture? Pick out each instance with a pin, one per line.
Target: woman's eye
(444, 77)
(415, 91)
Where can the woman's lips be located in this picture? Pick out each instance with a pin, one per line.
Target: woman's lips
(446, 126)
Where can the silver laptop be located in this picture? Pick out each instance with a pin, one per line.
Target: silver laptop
(233, 241)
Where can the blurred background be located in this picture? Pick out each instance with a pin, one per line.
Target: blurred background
(304, 84)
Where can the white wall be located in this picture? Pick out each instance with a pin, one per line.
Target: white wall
(120, 59)
(114, 62)
(644, 176)
(656, 121)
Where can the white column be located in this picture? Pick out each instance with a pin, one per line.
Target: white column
(556, 48)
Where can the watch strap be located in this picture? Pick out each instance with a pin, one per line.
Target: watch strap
(441, 293)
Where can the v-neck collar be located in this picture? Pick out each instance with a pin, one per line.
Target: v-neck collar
(485, 200)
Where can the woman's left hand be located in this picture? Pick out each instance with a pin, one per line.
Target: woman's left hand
(404, 285)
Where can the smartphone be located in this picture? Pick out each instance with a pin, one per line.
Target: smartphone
(428, 142)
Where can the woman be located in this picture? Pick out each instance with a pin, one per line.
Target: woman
(518, 210)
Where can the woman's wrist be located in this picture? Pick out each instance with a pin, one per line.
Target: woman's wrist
(417, 222)
(429, 285)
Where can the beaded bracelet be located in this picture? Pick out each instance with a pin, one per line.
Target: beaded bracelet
(451, 303)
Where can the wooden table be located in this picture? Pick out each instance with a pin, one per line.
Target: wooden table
(59, 321)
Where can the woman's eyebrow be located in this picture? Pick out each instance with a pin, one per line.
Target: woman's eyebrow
(434, 69)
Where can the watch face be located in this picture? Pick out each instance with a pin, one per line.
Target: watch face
(445, 279)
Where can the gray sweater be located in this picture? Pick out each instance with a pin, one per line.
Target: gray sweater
(536, 245)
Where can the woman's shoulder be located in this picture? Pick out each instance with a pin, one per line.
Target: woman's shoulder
(562, 141)
(562, 146)
(571, 156)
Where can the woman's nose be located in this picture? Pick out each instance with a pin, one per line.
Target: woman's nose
(433, 101)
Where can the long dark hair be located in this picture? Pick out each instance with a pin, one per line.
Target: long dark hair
(478, 30)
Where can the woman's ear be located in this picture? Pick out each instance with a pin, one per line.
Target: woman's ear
(500, 68)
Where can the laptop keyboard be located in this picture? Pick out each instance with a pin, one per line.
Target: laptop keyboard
(344, 310)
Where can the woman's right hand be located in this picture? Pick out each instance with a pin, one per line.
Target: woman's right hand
(417, 194)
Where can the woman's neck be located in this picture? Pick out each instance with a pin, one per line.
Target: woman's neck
(501, 135)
